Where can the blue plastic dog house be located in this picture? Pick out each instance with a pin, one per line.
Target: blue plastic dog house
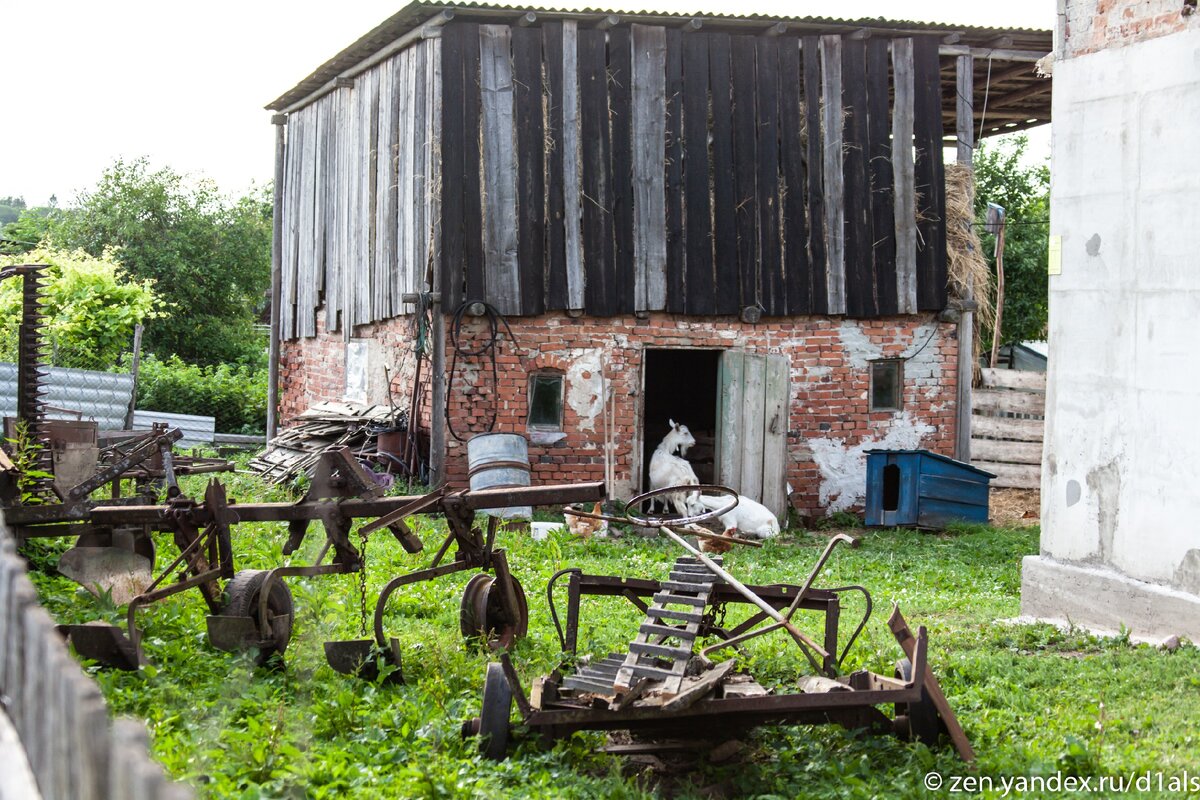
(917, 488)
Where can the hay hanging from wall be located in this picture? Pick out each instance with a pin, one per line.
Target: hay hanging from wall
(970, 275)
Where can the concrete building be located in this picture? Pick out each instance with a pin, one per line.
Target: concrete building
(1120, 506)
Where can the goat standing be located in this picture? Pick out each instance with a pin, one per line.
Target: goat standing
(668, 469)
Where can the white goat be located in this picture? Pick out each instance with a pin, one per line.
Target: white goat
(748, 517)
(668, 469)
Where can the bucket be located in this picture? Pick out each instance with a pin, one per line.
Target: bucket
(499, 461)
(392, 441)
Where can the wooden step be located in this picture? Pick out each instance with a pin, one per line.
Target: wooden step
(650, 629)
(670, 613)
(661, 650)
(707, 578)
(584, 684)
(666, 598)
(686, 586)
(657, 673)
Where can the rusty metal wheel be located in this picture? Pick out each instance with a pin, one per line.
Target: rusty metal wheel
(243, 592)
(495, 713)
(917, 721)
(482, 613)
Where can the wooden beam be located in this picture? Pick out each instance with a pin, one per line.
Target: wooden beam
(904, 177)
(831, 129)
(649, 171)
(571, 191)
(964, 104)
(501, 275)
(995, 54)
(965, 88)
(1034, 90)
(280, 123)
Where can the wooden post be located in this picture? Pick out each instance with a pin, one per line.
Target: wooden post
(437, 414)
(280, 123)
(997, 327)
(133, 371)
(966, 322)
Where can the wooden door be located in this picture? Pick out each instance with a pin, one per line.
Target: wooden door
(752, 423)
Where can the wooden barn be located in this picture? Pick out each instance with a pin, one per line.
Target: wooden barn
(600, 223)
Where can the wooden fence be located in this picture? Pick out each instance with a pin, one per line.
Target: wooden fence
(59, 714)
(1007, 425)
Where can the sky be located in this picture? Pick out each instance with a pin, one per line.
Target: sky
(184, 84)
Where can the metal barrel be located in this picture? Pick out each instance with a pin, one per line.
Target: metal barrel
(499, 461)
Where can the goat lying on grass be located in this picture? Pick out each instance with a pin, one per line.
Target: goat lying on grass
(668, 469)
(747, 518)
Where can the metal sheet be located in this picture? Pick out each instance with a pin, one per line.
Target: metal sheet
(102, 396)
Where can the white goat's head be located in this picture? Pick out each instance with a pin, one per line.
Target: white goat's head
(678, 438)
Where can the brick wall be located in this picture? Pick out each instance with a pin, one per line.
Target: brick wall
(830, 422)
(1093, 25)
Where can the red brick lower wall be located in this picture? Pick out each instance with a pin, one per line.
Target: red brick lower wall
(830, 423)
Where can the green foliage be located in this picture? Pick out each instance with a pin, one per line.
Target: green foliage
(28, 229)
(26, 457)
(91, 307)
(235, 395)
(210, 257)
(1003, 176)
(1032, 698)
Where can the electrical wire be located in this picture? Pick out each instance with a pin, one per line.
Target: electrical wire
(494, 322)
(928, 339)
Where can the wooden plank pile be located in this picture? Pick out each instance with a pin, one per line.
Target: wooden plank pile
(1007, 426)
(320, 428)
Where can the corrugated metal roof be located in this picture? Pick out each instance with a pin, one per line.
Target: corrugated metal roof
(413, 14)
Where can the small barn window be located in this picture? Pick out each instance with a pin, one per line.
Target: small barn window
(546, 401)
(887, 385)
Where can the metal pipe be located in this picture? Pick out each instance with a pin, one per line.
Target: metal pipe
(764, 606)
(280, 123)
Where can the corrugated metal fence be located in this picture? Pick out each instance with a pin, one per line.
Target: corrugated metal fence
(195, 429)
(74, 750)
(102, 396)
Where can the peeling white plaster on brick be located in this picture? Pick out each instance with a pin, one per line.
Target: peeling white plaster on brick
(585, 386)
(922, 364)
(844, 469)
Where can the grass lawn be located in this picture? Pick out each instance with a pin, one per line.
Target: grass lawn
(1032, 699)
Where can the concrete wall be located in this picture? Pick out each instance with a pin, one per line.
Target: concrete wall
(1120, 498)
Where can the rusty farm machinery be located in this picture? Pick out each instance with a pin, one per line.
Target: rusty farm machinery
(252, 610)
(53, 493)
(667, 691)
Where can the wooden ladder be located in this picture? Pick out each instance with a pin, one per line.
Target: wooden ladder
(682, 601)
(689, 587)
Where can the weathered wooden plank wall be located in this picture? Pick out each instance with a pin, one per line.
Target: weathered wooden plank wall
(362, 192)
(615, 171)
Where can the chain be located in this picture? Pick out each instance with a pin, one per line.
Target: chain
(362, 585)
(714, 617)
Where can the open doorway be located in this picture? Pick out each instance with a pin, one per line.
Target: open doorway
(681, 385)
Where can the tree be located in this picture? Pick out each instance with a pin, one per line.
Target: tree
(1003, 176)
(91, 308)
(208, 257)
(29, 230)
(10, 209)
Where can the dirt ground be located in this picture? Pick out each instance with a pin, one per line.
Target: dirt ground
(1015, 507)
